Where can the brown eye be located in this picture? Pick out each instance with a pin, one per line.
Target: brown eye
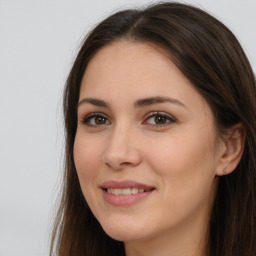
(159, 119)
(95, 120)
(100, 120)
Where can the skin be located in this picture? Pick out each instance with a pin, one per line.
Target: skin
(180, 157)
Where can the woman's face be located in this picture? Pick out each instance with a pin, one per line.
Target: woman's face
(145, 147)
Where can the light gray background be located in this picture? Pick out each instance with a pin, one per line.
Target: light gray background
(38, 41)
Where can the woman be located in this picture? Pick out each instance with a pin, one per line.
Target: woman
(160, 120)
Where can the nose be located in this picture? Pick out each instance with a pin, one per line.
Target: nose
(121, 150)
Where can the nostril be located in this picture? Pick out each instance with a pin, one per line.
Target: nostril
(117, 165)
(119, 159)
(125, 163)
(107, 164)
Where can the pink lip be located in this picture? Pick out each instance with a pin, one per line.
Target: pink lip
(124, 184)
(125, 200)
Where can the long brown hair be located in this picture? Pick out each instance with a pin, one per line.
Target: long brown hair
(209, 55)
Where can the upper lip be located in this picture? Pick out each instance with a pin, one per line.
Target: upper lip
(125, 184)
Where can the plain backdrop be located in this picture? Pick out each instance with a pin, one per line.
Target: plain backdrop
(38, 42)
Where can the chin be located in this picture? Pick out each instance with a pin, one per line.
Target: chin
(123, 236)
(123, 232)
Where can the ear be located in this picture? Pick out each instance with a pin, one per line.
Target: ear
(231, 149)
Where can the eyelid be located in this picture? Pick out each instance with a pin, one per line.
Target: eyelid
(171, 118)
(86, 118)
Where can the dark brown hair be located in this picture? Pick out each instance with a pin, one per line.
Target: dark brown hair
(209, 55)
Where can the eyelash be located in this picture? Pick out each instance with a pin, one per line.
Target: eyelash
(86, 120)
(168, 118)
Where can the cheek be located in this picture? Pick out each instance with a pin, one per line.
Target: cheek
(184, 163)
(185, 168)
(87, 158)
(177, 152)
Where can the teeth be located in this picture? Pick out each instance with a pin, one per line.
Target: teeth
(135, 191)
(125, 191)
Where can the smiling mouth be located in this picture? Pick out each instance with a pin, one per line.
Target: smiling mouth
(127, 191)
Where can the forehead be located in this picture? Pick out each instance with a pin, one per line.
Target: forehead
(135, 69)
(127, 64)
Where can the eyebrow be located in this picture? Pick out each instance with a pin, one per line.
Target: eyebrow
(139, 103)
(93, 101)
(155, 100)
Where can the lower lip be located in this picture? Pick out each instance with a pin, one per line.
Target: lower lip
(124, 200)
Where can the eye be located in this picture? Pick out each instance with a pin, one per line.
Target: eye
(95, 120)
(159, 119)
